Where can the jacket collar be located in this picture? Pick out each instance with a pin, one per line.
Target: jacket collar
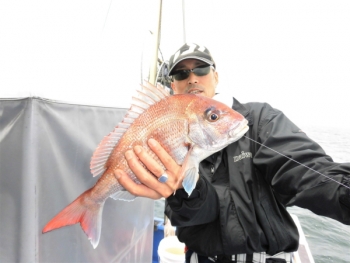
(237, 106)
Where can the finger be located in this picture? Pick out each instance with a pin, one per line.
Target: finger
(152, 165)
(162, 154)
(138, 168)
(145, 177)
(171, 166)
(134, 188)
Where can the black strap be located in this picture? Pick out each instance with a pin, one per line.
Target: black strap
(275, 260)
(224, 259)
(233, 258)
(249, 258)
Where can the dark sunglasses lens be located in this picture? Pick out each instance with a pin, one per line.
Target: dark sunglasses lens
(181, 74)
(201, 71)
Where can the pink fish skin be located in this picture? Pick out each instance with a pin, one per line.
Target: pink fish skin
(190, 127)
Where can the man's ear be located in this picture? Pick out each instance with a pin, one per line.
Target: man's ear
(216, 76)
(173, 87)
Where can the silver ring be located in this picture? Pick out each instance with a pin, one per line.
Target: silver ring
(163, 178)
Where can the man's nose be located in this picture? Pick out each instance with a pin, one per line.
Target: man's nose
(192, 78)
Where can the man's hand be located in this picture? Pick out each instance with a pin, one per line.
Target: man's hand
(150, 186)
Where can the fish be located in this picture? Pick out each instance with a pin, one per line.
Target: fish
(189, 127)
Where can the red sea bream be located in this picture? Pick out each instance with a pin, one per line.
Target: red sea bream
(190, 127)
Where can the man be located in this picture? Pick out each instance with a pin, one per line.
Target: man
(237, 212)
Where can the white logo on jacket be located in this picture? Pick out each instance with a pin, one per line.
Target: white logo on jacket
(242, 156)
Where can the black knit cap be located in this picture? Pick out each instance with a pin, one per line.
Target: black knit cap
(193, 51)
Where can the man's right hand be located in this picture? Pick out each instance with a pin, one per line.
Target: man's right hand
(150, 186)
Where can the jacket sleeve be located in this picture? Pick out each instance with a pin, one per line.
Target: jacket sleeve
(321, 188)
(200, 207)
(197, 218)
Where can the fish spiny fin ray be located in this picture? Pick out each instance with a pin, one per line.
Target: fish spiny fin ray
(145, 98)
(158, 91)
(148, 99)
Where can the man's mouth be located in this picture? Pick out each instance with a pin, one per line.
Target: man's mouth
(194, 91)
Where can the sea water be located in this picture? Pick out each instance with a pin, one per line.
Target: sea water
(329, 240)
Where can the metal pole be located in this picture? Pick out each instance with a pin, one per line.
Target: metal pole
(183, 20)
(156, 37)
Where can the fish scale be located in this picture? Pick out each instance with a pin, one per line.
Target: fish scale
(189, 127)
(165, 129)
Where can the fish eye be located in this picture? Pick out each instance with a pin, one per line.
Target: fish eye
(212, 115)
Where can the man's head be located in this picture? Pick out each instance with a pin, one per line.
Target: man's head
(192, 69)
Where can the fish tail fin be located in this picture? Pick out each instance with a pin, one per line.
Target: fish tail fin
(82, 210)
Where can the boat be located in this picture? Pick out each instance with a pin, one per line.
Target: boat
(43, 148)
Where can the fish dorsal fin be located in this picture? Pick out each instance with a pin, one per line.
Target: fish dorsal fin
(146, 97)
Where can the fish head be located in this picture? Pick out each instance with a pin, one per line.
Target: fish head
(213, 125)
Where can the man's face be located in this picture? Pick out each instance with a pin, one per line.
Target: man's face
(202, 85)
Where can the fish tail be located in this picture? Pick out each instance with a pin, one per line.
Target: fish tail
(83, 210)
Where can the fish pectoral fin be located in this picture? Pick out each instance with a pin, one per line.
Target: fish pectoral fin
(190, 171)
(123, 195)
(190, 180)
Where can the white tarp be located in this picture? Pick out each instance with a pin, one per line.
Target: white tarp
(45, 151)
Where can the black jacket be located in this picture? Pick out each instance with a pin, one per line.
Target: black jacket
(239, 203)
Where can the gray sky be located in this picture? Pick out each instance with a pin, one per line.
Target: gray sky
(292, 54)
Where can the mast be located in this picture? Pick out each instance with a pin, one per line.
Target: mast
(156, 38)
(183, 20)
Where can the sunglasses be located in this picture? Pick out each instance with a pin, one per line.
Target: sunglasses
(185, 73)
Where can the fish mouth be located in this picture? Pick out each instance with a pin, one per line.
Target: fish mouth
(239, 130)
